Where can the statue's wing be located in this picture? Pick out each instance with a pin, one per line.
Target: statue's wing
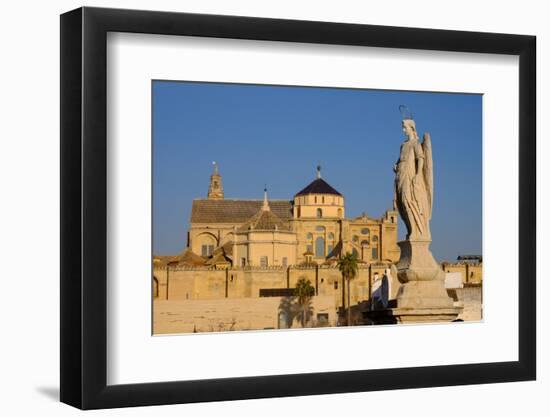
(428, 170)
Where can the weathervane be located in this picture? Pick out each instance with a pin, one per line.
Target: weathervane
(405, 112)
(266, 204)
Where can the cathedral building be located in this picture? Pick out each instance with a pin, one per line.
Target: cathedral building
(310, 229)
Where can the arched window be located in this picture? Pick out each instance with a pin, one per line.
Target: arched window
(365, 231)
(365, 243)
(375, 238)
(319, 247)
(339, 212)
(319, 213)
(323, 199)
(331, 236)
(309, 236)
(207, 243)
(355, 239)
(299, 211)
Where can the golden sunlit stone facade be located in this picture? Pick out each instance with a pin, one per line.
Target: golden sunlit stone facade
(244, 258)
(310, 228)
(470, 268)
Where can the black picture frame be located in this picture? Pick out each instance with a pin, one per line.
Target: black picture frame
(84, 207)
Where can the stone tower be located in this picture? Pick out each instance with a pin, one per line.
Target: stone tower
(318, 200)
(215, 190)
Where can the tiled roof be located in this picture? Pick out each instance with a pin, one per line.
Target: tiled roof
(164, 260)
(220, 258)
(188, 257)
(319, 186)
(226, 249)
(265, 220)
(235, 211)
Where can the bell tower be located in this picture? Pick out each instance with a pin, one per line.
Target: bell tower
(215, 190)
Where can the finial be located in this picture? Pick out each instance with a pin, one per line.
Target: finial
(215, 167)
(266, 204)
(319, 171)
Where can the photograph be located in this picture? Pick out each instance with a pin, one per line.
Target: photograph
(240, 208)
(298, 207)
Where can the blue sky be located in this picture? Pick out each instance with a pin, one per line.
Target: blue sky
(277, 135)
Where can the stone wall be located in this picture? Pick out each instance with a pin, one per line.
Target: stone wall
(471, 296)
(277, 246)
(200, 283)
(471, 273)
(208, 299)
(186, 316)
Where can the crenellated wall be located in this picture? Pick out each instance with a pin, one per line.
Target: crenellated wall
(471, 273)
(207, 283)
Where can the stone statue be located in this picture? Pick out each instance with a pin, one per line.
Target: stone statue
(421, 296)
(414, 183)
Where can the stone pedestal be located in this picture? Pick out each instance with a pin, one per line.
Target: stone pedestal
(422, 296)
(412, 315)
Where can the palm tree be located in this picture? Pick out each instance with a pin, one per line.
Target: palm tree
(304, 291)
(347, 265)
